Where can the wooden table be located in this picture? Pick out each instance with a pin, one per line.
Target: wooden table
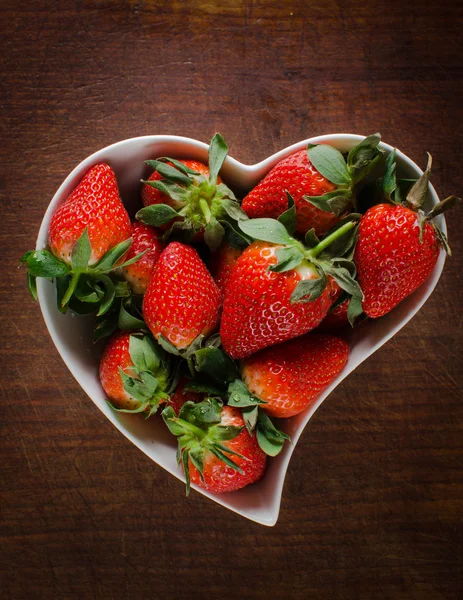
(372, 507)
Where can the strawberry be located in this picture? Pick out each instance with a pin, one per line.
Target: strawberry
(222, 264)
(95, 204)
(144, 239)
(290, 376)
(320, 182)
(88, 236)
(279, 288)
(180, 396)
(336, 318)
(182, 302)
(214, 448)
(398, 247)
(135, 373)
(190, 197)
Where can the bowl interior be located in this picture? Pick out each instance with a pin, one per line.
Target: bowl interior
(73, 335)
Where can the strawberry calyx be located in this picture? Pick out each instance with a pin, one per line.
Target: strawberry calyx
(345, 174)
(83, 287)
(152, 378)
(201, 202)
(330, 256)
(199, 430)
(412, 194)
(270, 439)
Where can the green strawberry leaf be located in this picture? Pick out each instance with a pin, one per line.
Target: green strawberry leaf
(364, 156)
(174, 191)
(81, 252)
(156, 214)
(218, 150)
(42, 263)
(234, 210)
(330, 163)
(234, 237)
(177, 164)
(343, 278)
(202, 413)
(311, 240)
(168, 347)
(213, 341)
(104, 328)
(129, 317)
(216, 364)
(270, 439)
(416, 197)
(240, 396)
(32, 285)
(170, 173)
(288, 218)
(109, 294)
(288, 258)
(144, 354)
(141, 389)
(443, 206)
(213, 235)
(308, 290)
(250, 414)
(355, 309)
(266, 230)
(112, 256)
(321, 202)
(224, 192)
(389, 180)
(341, 245)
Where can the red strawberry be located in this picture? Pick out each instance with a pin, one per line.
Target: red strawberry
(222, 264)
(397, 246)
(182, 301)
(336, 318)
(135, 373)
(257, 309)
(95, 204)
(190, 197)
(88, 237)
(391, 261)
(144, 238)
(216, 451)
(322, 186)
(290, 376)
(297, 175)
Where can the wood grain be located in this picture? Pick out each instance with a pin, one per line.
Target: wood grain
(372, 506)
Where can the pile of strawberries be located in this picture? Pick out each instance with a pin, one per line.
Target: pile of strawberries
(207, 301)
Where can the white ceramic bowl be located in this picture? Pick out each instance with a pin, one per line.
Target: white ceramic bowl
(73, 335)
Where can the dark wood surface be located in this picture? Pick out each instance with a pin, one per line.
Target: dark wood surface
(372, 506)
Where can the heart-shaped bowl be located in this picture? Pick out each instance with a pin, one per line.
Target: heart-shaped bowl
(72, 335)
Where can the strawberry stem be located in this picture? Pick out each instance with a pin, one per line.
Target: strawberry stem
(314, 252)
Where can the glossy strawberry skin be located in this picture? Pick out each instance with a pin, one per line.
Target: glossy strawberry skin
(150, 195)
(219, 477)
(290, 376)
(336, 319)
(182, 300)
(391, 261)
(95, 203)
(144, 238)
(222, 264)
(257, 311)
(116, 356)
(298, 176)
